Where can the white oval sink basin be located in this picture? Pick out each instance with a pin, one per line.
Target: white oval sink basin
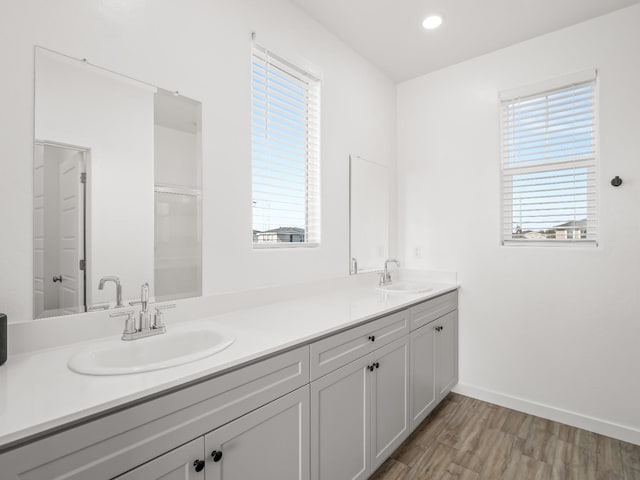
(406, 287)
(176, 347)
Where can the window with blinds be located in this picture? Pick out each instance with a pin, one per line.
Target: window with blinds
(285, 152)
(549, 166)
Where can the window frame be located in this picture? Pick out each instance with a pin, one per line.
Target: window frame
(546, 88)
(313, 158)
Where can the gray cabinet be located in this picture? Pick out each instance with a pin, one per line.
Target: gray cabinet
(337, 350)
(270, 443)
(179, 464)
(389, 400)
(359, 414)
(423, 395)
(446, 329)
(340, 433)
(434, 364)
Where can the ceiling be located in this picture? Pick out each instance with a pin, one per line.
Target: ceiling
(389, 32)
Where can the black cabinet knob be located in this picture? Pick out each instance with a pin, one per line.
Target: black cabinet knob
(377, 365)
(216, 455)
(372, 338)
(370, 368)
(198, 465)
(57, 279)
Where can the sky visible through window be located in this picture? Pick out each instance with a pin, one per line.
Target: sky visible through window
(279, 151)
(547, 187)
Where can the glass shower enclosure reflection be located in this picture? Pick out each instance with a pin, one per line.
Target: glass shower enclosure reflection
(177, 198)
(178, 244)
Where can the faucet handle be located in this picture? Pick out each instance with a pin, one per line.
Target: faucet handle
(158, 321)
(164, 307)
(128, 322)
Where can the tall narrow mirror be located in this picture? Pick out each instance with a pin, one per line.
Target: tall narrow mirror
(369, 215)
(117, 187)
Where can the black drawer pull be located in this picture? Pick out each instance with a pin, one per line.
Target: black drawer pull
(216, 455)
(372, 338)
(198, 465)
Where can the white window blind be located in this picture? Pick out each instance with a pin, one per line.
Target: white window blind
(549, 166)
(285, 152)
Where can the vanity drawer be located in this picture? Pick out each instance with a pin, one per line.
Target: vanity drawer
(428, 311)
(109, 446)
(338, 350)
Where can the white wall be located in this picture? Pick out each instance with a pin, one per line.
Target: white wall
(113, 118)
(544, 329)
(202, 49)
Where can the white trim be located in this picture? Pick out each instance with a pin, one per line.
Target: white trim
(574, 419)
(538, 88)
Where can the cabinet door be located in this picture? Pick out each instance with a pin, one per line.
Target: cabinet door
(178, 464)
(422, 367)
(389, 400)
(270, 443)
(340, 418)
(446, 353)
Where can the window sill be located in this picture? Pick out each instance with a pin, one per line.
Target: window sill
(284, 245)
(551, 243)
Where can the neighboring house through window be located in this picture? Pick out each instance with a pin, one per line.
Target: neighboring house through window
(549, 163)
(285, 136)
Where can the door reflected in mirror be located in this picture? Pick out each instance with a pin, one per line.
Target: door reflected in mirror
(369, 215)
(117, 188)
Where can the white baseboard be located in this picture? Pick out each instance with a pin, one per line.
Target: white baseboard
(585, 422)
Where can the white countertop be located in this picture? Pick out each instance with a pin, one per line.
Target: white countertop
(39, 393)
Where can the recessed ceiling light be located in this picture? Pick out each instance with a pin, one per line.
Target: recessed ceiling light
(432, 22)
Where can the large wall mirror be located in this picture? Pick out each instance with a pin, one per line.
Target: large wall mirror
(117, 186)
(369, 215)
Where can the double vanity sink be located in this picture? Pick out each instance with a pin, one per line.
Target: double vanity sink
(180, 345)
(286, 370)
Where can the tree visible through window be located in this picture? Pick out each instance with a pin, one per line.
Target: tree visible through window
(549, 166)
(285, 152)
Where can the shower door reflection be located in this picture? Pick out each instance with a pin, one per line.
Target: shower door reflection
(178, 243)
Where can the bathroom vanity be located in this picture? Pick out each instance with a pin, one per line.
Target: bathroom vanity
(321, 400)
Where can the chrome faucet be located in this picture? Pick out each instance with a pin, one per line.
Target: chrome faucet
(385, 276)
(115, 280)
(147, 324)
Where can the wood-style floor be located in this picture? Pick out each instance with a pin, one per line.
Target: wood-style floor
(468, 439)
